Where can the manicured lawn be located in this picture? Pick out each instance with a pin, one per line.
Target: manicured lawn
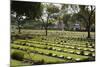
(16, 63)
(57, 47)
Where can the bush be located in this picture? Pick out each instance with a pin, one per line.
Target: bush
(50, 54)
(90, 54)
(18, 55)
(91, 44)
(87, 45)
(46, 44)
(81, 52)
(65, 41)
(61, 41)
(58, 43)
(45, 47)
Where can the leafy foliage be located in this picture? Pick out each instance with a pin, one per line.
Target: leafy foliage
(29, 9)
(18, 55)
(52, 9)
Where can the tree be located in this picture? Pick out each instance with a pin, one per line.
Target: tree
(66, 18)
(49, 10)
(25, 11)
(67, 11)
(87, 14)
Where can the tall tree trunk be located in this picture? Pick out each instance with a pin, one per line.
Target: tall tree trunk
(18, 24)
(46, 30)
(89, 26)
(89, 31)
(45, 26)
(19, 28)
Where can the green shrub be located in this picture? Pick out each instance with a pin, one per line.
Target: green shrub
(65, 41)
(50, 54)
(46, 44)
(58, 43)
(87, 45)
(18, 55)
(91, 44)
(17, 47)
(90, 54)
(45, 47)
(61, 41)
(81, 52)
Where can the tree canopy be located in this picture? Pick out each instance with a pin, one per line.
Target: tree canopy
(25, 11)
(29, 9)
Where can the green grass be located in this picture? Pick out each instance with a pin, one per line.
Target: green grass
(42, 45)
(37, 57)
(64, 40)
(55, 52)
(16, 63)
(47, 59)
